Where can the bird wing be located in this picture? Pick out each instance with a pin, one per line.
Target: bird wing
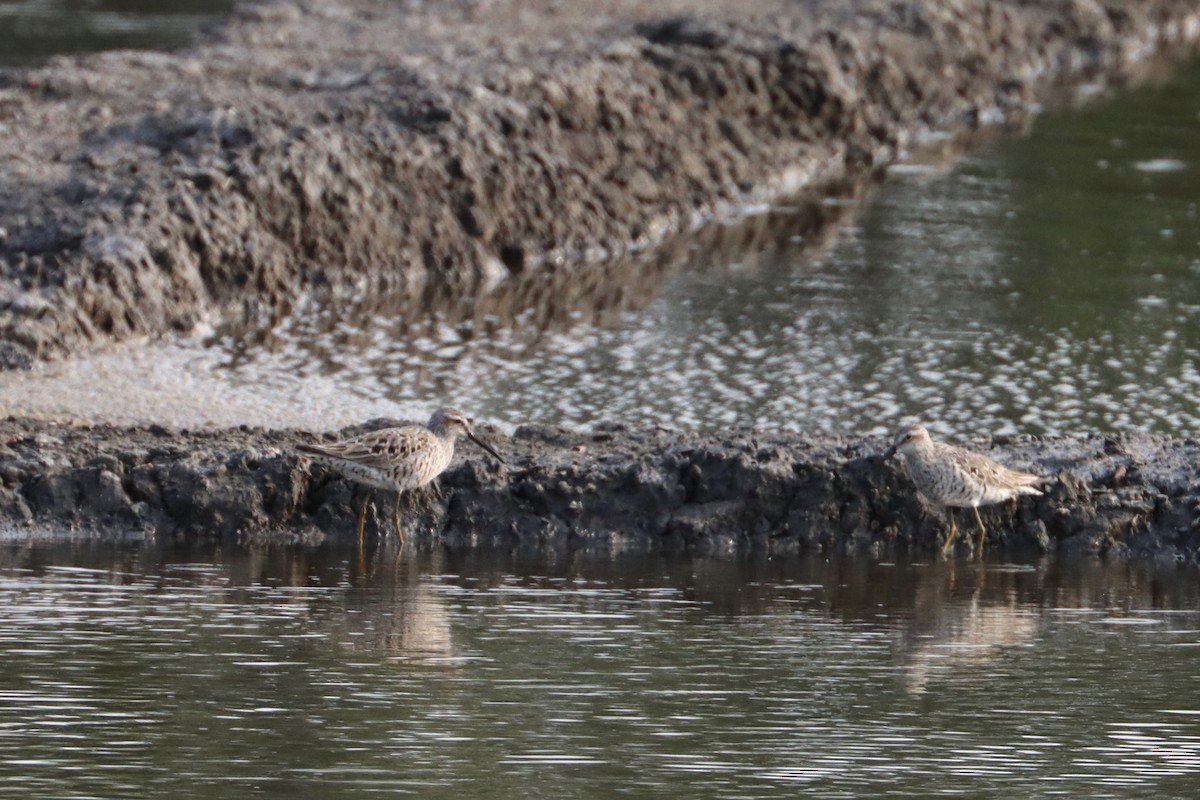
(992, 473)
(376, 449)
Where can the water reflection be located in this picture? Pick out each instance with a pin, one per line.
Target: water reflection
(266, 673)
(327, 365)
(948, 638)
(1046, 284)
(514, 317)
(403, 616)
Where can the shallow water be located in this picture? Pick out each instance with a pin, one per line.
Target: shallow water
(1044, 284)
(155, 673)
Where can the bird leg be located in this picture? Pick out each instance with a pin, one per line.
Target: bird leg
(982, 531)
(953, 531)
(396, 519)
(362, 515)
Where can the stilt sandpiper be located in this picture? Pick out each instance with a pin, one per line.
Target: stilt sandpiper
(955, 478)
(402, 458)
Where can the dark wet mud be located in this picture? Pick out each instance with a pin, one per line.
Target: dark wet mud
(612, 488)
(371, 152)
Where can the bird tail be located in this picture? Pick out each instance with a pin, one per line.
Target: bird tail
(313, 450)
(1028, 484)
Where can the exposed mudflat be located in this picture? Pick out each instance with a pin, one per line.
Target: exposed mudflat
(365, 149)
(612, 488)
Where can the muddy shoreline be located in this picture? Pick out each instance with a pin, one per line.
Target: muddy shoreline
(612, 488)
(313, 152)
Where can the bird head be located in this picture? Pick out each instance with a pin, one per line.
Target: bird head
(907, 439)
(455, 423)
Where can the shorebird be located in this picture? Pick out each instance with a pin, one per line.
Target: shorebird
(955, 478)
(402, 458)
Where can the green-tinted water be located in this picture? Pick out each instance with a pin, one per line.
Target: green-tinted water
(145, 673)
(32, 30)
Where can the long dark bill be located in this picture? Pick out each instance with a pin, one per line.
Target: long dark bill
(485, 446)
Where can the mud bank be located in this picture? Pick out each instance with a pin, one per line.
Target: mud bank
(612, 488)
(321, 152)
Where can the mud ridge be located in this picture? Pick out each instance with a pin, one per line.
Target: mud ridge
(613, 488)
(335, 151)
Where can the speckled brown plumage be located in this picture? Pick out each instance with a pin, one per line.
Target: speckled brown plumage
(952, 477)
(399, 459)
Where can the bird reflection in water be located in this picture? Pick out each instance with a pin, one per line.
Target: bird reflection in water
(951, 635)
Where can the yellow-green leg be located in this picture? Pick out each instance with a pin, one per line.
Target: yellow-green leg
(953, 531)
(396, 519)
(362, 515)
(982, 531)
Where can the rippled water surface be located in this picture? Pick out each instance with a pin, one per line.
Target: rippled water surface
(147, 673)
(1047, 283)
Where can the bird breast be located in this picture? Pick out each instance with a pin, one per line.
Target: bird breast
(943, 483)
